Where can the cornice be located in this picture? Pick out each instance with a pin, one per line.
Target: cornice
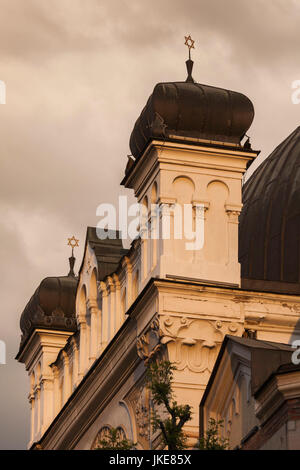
(278, 390)
(40, 338)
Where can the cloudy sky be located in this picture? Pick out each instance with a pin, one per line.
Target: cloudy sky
(78, 73)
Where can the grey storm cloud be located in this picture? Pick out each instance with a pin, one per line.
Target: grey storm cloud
(78, 73)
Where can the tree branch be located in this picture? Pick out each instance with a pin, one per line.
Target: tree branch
(163, 430)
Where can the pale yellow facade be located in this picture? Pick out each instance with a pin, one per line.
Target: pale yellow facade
(163, 299)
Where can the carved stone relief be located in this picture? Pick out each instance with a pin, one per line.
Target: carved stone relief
(148, 344)
(104, 434)
(142, 412)
(139, 402)
(194, 343)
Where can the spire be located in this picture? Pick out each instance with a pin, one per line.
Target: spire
(189, 63)
(73, 242)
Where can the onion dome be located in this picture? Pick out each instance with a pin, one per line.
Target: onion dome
(193, 112)
(269, 228)
(52, 306)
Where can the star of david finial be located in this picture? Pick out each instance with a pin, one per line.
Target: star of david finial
(73, 242)
(189, 42)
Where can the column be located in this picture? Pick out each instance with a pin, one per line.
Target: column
(56, 394)
(233, 212)
(118, 316)
(154, 236)
(112, 314)
(38, 410)
(75, 362)
(32, 410)
(47, 402)
(93, 308)
(104, 332)
(67, 384)
(128, 267)
(82, 345)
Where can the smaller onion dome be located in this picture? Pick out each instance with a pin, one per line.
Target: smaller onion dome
(192, 111)
(52, 306)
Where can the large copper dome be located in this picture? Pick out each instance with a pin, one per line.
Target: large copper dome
(269, 229)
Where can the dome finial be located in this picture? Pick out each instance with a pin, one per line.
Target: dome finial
(73, 242)
(189, 42)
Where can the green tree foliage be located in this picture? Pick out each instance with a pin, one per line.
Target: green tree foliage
(211, 439)
(113, 441)
(174, 416)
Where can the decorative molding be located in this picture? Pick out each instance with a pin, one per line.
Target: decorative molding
(142, 412)
(165, 201)
(200, 207)
(148, 343)
(233, 211)
(92, 304)
(194, 343)
(138, 400)
(103, 289)
(116, 281)
(110, 284)
(126, 263)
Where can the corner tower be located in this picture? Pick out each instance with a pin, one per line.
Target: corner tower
(187, 151)
(47, 322)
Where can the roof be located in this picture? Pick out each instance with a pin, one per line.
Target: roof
(191, 110)
(266, 358)
(108, 251)
(52, 306)
(269, 226)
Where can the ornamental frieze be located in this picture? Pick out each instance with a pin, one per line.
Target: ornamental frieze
(194, 343)
(148, 343)
(190, 342)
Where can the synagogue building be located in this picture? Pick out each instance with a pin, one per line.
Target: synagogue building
(225, 311)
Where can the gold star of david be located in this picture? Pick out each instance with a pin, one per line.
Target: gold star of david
(189, 42)
(73, 242)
